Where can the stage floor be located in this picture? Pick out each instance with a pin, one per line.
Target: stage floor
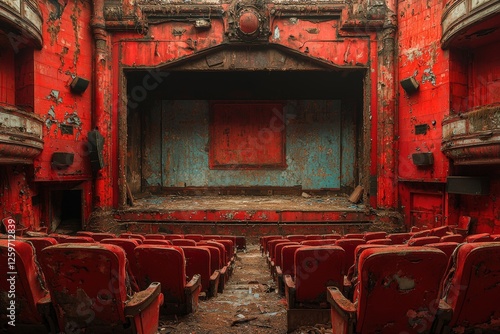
(247, 203)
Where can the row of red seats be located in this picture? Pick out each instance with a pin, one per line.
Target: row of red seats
(307, 270)
(152, 261)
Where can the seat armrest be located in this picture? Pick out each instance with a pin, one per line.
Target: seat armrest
(193, 284)
(289, 291)
(142, 299)
(279, 272)
(347, 286)
(443, 317)
(343, 311)
(215, 275)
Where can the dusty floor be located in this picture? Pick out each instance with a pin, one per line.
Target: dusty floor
(249, 304)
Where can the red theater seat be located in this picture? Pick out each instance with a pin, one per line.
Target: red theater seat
(421, 241)
(77, 239)
(97, 236)
(440, 231)
(128, 246)
(481, 237)
(183, 242)
(132, 236)
(453, 238)
(241, 243)
(173, 236)
(397, 292)
(32, 309)
(353, 236)
(264, 241)
(447, 247)
(385, 241)
(195, 237)
(399, 238)
(315, 269)
(167, 265)
(216, 264)
(296, 237)
(471, 289)
(87, 283)
(59, 237)
(157, 242)
(287, 265)
(276, 261)
(332, 236)
(374, 235)
(198, 262)
(155, 236)
(349, 245)
(41, 243)
(321, 242)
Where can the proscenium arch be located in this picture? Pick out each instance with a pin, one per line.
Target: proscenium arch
(241, 58)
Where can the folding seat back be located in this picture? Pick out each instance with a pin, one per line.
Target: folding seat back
(155, 236)
(173, 236)
(349, 245)
(495, 237)
(332, 236)
(98, 236)
(229, 246)
(288, 258)
(132, 236)
(30, 292)
(420, 234)
(447, 247)
(472, 286)
(315, 269)
(321, 242)
(277, 251)
(374, 235)
(157, 242)
(352, 273)
(385, 241)
(221, 248)
(271, 246)
(59, 237)
(215, 256)
(399, 238)
(77, 239)
(265, 240)
(195, 237)
(440, 231)
(211, 237)
(296, 237)
(465, 225)
(128, 246)
(167, 265)
(353, 236)
(421, 241)
(183, 242)
(452, 238)
(88, 287)
(41, 242)
(198, 262)
(230, 237)
(314, 236)
(85, 234)
(481, 237)
(398, 289)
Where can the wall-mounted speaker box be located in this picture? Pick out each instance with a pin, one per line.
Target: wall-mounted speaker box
(423, 159)
(468, 185)
(410, 85)
(62, 160)
(79, 85)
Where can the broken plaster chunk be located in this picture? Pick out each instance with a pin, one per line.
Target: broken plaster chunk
(306, 195)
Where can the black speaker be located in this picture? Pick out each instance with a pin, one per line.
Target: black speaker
(61, 160)
(79, 85)
(410, 85)
(423, 159)
(96, 143)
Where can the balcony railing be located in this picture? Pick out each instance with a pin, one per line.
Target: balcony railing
(20, 136)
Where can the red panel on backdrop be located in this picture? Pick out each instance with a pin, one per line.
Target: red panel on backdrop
(247, 136)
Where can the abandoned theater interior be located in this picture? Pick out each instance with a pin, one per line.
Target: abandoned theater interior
(250, 166)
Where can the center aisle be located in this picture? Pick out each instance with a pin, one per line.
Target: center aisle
(249, 303)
